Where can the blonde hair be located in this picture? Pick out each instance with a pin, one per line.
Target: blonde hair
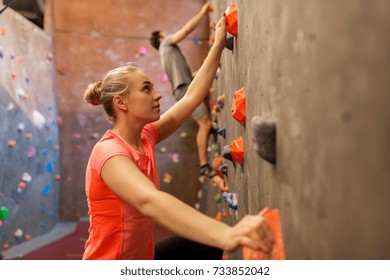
(116, 82)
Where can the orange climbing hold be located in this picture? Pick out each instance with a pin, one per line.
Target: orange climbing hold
(13, 75)
(231, 19)
(273, 220)
(211, 8)
(22, 185)
(239, 106)
(237, 150)
(3, 31)
(11, 143)
(28, 135)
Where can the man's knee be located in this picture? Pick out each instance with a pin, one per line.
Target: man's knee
(204, 121)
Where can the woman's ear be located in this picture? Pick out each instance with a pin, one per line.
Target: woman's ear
(119, 102)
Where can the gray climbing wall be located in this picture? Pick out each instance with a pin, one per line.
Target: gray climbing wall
(29, 152)
(321, 70)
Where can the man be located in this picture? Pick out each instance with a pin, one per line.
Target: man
(179, 74)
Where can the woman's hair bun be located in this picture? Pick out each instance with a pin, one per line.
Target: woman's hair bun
(93, 93)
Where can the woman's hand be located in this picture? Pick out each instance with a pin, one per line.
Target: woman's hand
(220, 32)
(251, 231)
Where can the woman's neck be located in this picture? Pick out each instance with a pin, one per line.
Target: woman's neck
(130, 134)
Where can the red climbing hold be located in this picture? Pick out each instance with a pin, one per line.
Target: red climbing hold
(239, 106)
(231, 19)
(273, 220)
(237, 150)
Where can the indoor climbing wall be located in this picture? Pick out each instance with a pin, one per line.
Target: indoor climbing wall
(29, 153)
(306, 122)
(92, 37)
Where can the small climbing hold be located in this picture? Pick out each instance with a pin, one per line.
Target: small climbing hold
(239, 106)
(222, 131)
(218, 216)
(221, 101)
(20, 127)
(231, 19)
(59, 120)
(183, 134)
(277, 253)
(18, 233)
(95, 135)
(22, 186)
(229, 43)
(142, 51)
(218, 198)
(237, 150)
(31, 151)
(224, 168)
(167, 178)
(13, 75)
(27, 236)
(57, 177)
(164, 78)
(231, 200)
(62, 69)
(175, 158)
(11, 143)
(46, 190)
(49, 167)
(28, 135)
(224, 213)
(226, 152)
(19, 59)
(264, 138)
(211, 8)
(26, 177)
(50, 56)
(5, 246)
(197, 41)
(163, 150)
(3, 213)
(3, 31)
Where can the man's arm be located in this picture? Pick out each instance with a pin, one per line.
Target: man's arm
(190, 25)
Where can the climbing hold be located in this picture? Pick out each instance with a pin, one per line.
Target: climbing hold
(224, 213)
(26, 177)
(164, 78)
(264, 138)
(216, 164)
(46, 190)
(18, 233)
(163, 150)
(231, 19)
(175, 157)
(28, 135)
(3, 31)
(277, 253)
(45, 152)
(31, 151)
(19, 59)
(38, 119)
(11, 143)
(183, 134)
(234, 151)
(62, 69)
(5, 246)
(57, 177)
(222, 132)
(231, 200)
(50, 56)
(142, 51)
(27, 236)
(237, 150)
(197, 41)
(218, 198)
(13, 75)
(42, 224)
(218, 217)
(167, 178)
(221, 101)
(211, 8)
(22, 186)
(226, 152)
(3, 213)
(238, 106)
(20, 127)
(76, 135)
(224, 168)
(229, 43)
(49, 167)
(59, 120)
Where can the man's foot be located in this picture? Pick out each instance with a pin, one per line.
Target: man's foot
(206, 173)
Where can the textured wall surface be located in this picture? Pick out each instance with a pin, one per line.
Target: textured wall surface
(320, 69)
(29, 188)
(92, 37)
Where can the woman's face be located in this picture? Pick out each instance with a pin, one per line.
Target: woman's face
(143, 100)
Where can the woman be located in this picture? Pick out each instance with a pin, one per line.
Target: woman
(122, 183)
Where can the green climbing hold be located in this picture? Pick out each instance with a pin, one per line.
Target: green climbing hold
(3, 213)
(218, 198)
